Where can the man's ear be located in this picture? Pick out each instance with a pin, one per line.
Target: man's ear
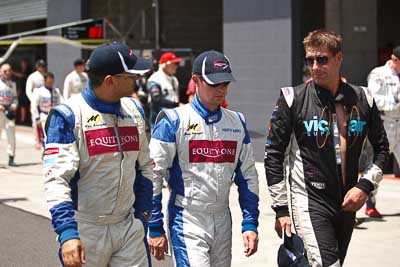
(108, 80)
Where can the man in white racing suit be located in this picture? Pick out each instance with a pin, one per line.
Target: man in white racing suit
(384, 84)
(97, 169)
(43, 99)
(200, 149)
(76, 80)
(8, 107)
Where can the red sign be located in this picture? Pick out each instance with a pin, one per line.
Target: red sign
(212, 151)
(103, 141)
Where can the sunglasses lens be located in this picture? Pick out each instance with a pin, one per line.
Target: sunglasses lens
(309, 61)
(321, 60)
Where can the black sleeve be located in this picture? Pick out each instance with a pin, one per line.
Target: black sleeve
(278, 138)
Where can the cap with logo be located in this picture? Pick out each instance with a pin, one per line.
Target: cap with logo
(169, 57)
(115, 58)
(396, 52)
(214, 67)
(291, 253)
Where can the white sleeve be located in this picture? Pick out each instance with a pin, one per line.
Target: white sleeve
(35, 98)
(384, 99)
(29, 88)
(66, 89)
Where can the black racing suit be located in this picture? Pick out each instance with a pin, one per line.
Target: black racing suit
(300, 147)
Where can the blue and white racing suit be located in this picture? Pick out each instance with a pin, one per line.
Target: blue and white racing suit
(97, 173)
(201, 154)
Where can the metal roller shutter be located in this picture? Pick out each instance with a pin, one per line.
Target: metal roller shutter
(22, 10)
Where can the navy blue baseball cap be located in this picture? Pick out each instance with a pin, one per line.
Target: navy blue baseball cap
(214, 67)
(291, 253)
(116, 58)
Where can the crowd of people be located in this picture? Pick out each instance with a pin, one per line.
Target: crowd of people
(104, 178)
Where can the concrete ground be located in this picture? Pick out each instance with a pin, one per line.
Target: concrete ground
(375, 241)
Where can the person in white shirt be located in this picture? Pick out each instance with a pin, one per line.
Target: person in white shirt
(35, 80)
(76, 80)
(8, 107)
(43, 99)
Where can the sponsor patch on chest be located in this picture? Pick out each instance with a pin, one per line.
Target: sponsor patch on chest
(212, 151)
(103, 141)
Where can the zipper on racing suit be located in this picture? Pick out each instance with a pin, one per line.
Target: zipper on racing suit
(118, 136)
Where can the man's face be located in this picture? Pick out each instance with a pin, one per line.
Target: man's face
(49, 82)
(323, 65)
(171, 68)
(5, 71)
(41, 69)
(211, 96)
(396, 64)
(80, 68)
(124, 84)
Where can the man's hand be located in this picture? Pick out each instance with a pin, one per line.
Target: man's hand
(285, 224)
(73, 254)
(250, 241)
(2, 108)
(158, 246)
(354, 199)
(13, 107)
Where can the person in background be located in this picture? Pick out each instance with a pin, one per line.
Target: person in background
(21, 76)
(384, 84)
(8, 108)
(76, 80)
(36, 80)
(43, 99)
(163, 86)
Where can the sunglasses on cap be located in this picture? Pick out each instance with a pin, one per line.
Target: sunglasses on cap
(321, 60)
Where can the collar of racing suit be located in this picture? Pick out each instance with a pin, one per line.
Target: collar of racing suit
(345, 95)
(97, 104)
(208, 116)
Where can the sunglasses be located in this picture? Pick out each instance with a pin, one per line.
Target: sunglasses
(321, 60)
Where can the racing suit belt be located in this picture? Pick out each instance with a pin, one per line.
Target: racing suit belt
(199, 205)
(101, 219)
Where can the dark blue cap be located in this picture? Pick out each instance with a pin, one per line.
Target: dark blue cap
(116, 58)
(214, 67)
(291, 253)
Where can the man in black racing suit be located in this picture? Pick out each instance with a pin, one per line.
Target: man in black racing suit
(316, 134)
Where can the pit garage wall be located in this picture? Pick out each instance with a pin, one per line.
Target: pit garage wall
(257, 38)
(356, 21)
(60, 57)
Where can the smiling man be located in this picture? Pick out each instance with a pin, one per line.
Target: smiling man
(97, 168)
(316, 134)
(200, 149)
